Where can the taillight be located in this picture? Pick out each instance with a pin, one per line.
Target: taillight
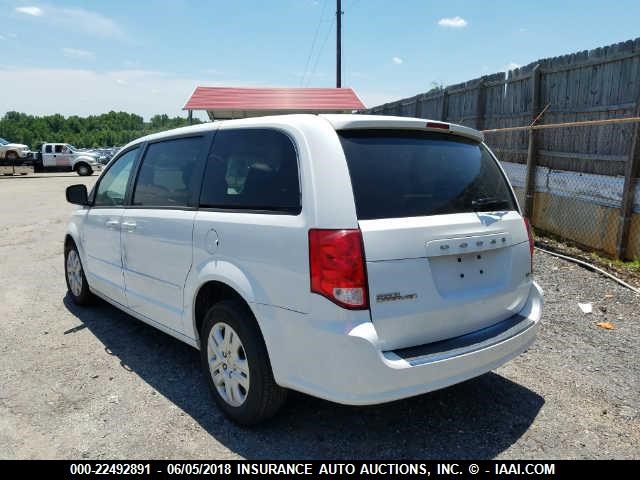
(527, 225)
(336, 262)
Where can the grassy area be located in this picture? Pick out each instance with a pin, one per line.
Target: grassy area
(633, 265)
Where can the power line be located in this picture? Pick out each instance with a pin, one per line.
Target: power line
(321, 50)
(313, 44)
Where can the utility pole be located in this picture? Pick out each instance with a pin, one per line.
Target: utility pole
(339, 44)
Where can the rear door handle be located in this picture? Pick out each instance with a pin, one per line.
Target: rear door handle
(112, 224)
(129, 226)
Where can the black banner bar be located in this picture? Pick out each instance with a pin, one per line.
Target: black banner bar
(446, 469)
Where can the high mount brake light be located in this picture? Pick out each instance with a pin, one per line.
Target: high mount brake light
(443, 126)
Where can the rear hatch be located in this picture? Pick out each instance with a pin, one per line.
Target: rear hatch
(447, 252)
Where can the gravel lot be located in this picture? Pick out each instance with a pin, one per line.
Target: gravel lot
(95, 383)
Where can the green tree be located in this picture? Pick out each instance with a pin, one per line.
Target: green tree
(105, 130)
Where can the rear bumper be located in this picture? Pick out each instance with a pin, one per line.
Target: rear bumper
(348, 367)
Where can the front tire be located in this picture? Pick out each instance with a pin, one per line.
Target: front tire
(12, 156)
(74, 274)
(237, 366)
(84, 170)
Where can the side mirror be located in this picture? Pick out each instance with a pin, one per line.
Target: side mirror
(77, 194)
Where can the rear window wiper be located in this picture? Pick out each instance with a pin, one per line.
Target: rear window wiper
(489, 202)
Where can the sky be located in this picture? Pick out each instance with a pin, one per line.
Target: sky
(146, 56)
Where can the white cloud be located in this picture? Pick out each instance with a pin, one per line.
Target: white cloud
(397, 60)
(91, 22)
(453, 22)
(76, 19)
(78, 54)
(89, 92)
(511, 66)
(33, 11)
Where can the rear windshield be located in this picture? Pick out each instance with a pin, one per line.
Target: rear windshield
(408, 174)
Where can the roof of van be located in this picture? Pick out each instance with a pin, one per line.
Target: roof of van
(337, 121)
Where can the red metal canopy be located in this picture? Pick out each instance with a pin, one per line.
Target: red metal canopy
(232, 102)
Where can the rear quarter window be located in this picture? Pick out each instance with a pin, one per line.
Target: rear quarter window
(252, 169)
(398, 174)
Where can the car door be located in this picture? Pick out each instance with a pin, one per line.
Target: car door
(101, 232)
(157, 228)
(61, 156)
(48, 159)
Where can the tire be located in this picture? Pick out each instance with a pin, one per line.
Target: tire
(77, 285)
(251, 394)
(84, 170)
(12, 156)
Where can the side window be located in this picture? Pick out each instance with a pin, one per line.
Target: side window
(253, 169)
(113, 184)
(171, 172)
(58, 149)
(48, 149)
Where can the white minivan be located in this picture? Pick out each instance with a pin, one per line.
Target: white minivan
(360, 259)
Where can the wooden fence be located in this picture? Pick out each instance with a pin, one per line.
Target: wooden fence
(591, 85)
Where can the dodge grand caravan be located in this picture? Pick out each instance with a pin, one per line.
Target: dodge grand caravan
(360, 259)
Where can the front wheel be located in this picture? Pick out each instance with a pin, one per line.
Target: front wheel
(237, 366)
(84, 170)
(12, 156)
(76, 280)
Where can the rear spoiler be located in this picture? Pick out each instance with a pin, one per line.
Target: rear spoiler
(371, 122)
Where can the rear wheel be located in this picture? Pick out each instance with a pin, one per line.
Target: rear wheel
(237, 366)
(76, 280)
(84, 170)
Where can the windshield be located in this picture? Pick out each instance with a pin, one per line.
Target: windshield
(72, 148)
(398, 174)
(3, 141)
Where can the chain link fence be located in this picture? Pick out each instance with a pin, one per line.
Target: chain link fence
(579, 203)
(584, 208)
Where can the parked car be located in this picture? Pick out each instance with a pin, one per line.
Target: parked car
(63, 156)
(360, 259)
(12, 151)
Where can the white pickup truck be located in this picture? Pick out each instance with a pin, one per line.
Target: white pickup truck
(12, 151)
(63, 156)
(13, 158)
